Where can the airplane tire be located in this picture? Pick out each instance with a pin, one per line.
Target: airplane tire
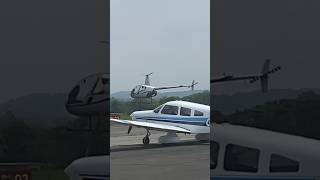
(146, 140)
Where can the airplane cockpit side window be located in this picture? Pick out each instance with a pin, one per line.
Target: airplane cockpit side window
(214, 152)
(156, 110)
(198, 113)
(185, 111)
(240, 158)
(282, 164)
(168, 109)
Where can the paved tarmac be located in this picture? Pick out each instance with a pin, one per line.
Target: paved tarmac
(186, 160)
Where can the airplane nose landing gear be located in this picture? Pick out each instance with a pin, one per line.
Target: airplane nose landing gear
(146, 139)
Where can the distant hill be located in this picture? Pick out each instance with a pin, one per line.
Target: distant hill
(45, 106)
(41, 105)
(299, 116)
(240, 101)
(125, 95)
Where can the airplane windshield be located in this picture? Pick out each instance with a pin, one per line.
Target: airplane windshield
(156, 110)
(171, 110)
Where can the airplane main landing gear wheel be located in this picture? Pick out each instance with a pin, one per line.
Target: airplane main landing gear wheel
(146, 139)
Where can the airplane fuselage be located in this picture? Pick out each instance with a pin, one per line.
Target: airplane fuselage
(187, 115)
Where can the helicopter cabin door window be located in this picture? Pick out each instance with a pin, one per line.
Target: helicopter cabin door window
(185, 111)
(240, 158)
(171, 110)
(282, 164)
(198, 113)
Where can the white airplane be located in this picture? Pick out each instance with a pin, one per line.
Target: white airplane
(147, 91)
(172, 117)
(237, 155)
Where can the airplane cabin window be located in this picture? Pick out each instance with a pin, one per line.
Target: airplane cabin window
(282, 164)
(214, 152)
(185, 111)
(198, 113)
(156, 110)
(240, 158)
(168, 109)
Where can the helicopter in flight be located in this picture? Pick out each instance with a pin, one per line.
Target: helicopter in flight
(263, 76)
(147, 91)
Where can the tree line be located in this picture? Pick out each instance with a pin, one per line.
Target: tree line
(298, 116)
(127, 107)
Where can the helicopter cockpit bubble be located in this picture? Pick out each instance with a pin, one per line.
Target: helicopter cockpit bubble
(90, 97)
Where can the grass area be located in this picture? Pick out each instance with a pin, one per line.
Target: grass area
(125, 116)
(49, 175)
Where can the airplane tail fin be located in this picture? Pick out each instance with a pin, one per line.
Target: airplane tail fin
(264, 77)
(147, 80)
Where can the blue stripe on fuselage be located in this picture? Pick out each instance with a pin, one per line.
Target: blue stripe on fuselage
(181, 120)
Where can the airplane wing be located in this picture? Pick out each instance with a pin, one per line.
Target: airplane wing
(149, 125)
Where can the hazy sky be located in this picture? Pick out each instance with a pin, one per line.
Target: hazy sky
(168, 37)
(247, 32)
(47, 46)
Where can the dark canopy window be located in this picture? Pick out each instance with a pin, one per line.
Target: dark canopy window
(168, 109)
(198, 113)
(282, 164)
